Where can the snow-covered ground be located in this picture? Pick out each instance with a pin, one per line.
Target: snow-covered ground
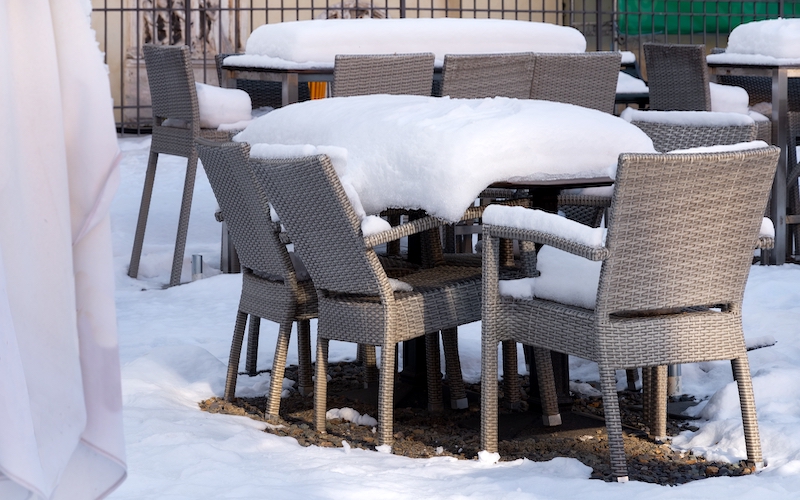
(174, 347)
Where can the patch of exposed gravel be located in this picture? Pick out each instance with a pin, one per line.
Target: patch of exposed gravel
(456, 433)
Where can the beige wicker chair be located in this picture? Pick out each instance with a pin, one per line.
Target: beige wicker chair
(653, 306)
(476, 76)
(359, 74)
(172, 90)
(587, 79)
(356, 300)
(271, 287)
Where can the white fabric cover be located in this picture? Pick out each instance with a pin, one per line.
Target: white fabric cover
(60, 399)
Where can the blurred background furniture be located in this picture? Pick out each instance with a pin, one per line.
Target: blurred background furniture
(652, 306)
(272, 285)
(777, 83)
(174, 97)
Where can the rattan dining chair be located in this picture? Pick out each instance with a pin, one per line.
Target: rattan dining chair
(357, 301)
(363, 74)
(677, 76)
(477, 76)
(272, 287)
(173, 94)
(652, 305)
(586, 79)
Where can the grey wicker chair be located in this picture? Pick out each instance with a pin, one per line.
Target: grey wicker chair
(677, 76)
(173, 95)
(357, 74)
(587, 79)
(476, 76)
(356, 301)
(271, 287)
(653, 306)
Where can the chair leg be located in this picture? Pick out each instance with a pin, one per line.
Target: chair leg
(654, 399)
(305, 383)
(488, 393)
(741, 372)
(633, 377)
(547, 387)
(434, 367)
(370, 362)
(183, 220)
(144, 208)
(278, 370)
(613, 418)
(386, 394)
(251, 363)
(452, 367)
(647, 392)
(511, 375)
(233, 359)
(321, 385)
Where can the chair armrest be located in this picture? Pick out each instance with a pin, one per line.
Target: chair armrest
(765, 242)
(403, 230)
(571, 246)
(541, 227)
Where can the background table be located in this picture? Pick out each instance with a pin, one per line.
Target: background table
(726, 64)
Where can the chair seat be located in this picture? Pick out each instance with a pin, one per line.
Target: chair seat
(441, 296)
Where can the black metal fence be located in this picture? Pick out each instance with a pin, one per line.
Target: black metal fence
(222, 26)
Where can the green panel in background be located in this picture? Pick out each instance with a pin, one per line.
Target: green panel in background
(644, 17)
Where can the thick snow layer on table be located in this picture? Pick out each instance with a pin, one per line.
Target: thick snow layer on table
(778, 38)
(438, 154)
(320, 40)
(752, 59)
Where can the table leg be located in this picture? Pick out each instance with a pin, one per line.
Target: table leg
(780, 109)
(289, 92)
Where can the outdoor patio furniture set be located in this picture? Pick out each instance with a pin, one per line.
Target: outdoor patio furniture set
(666, 282)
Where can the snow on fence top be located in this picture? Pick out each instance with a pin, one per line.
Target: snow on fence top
(318, 41)
(437, 153)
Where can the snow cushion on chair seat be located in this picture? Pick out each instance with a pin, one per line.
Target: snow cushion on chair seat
(220, 106)
(729, 99)
(567, 278)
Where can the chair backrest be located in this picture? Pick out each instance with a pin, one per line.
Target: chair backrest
(322, 224)
(677, 77)
(487, 75)
(669, 136)
(682, 229)
(172, 90)
(587, 79)
(410, 74)
(245, 209)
